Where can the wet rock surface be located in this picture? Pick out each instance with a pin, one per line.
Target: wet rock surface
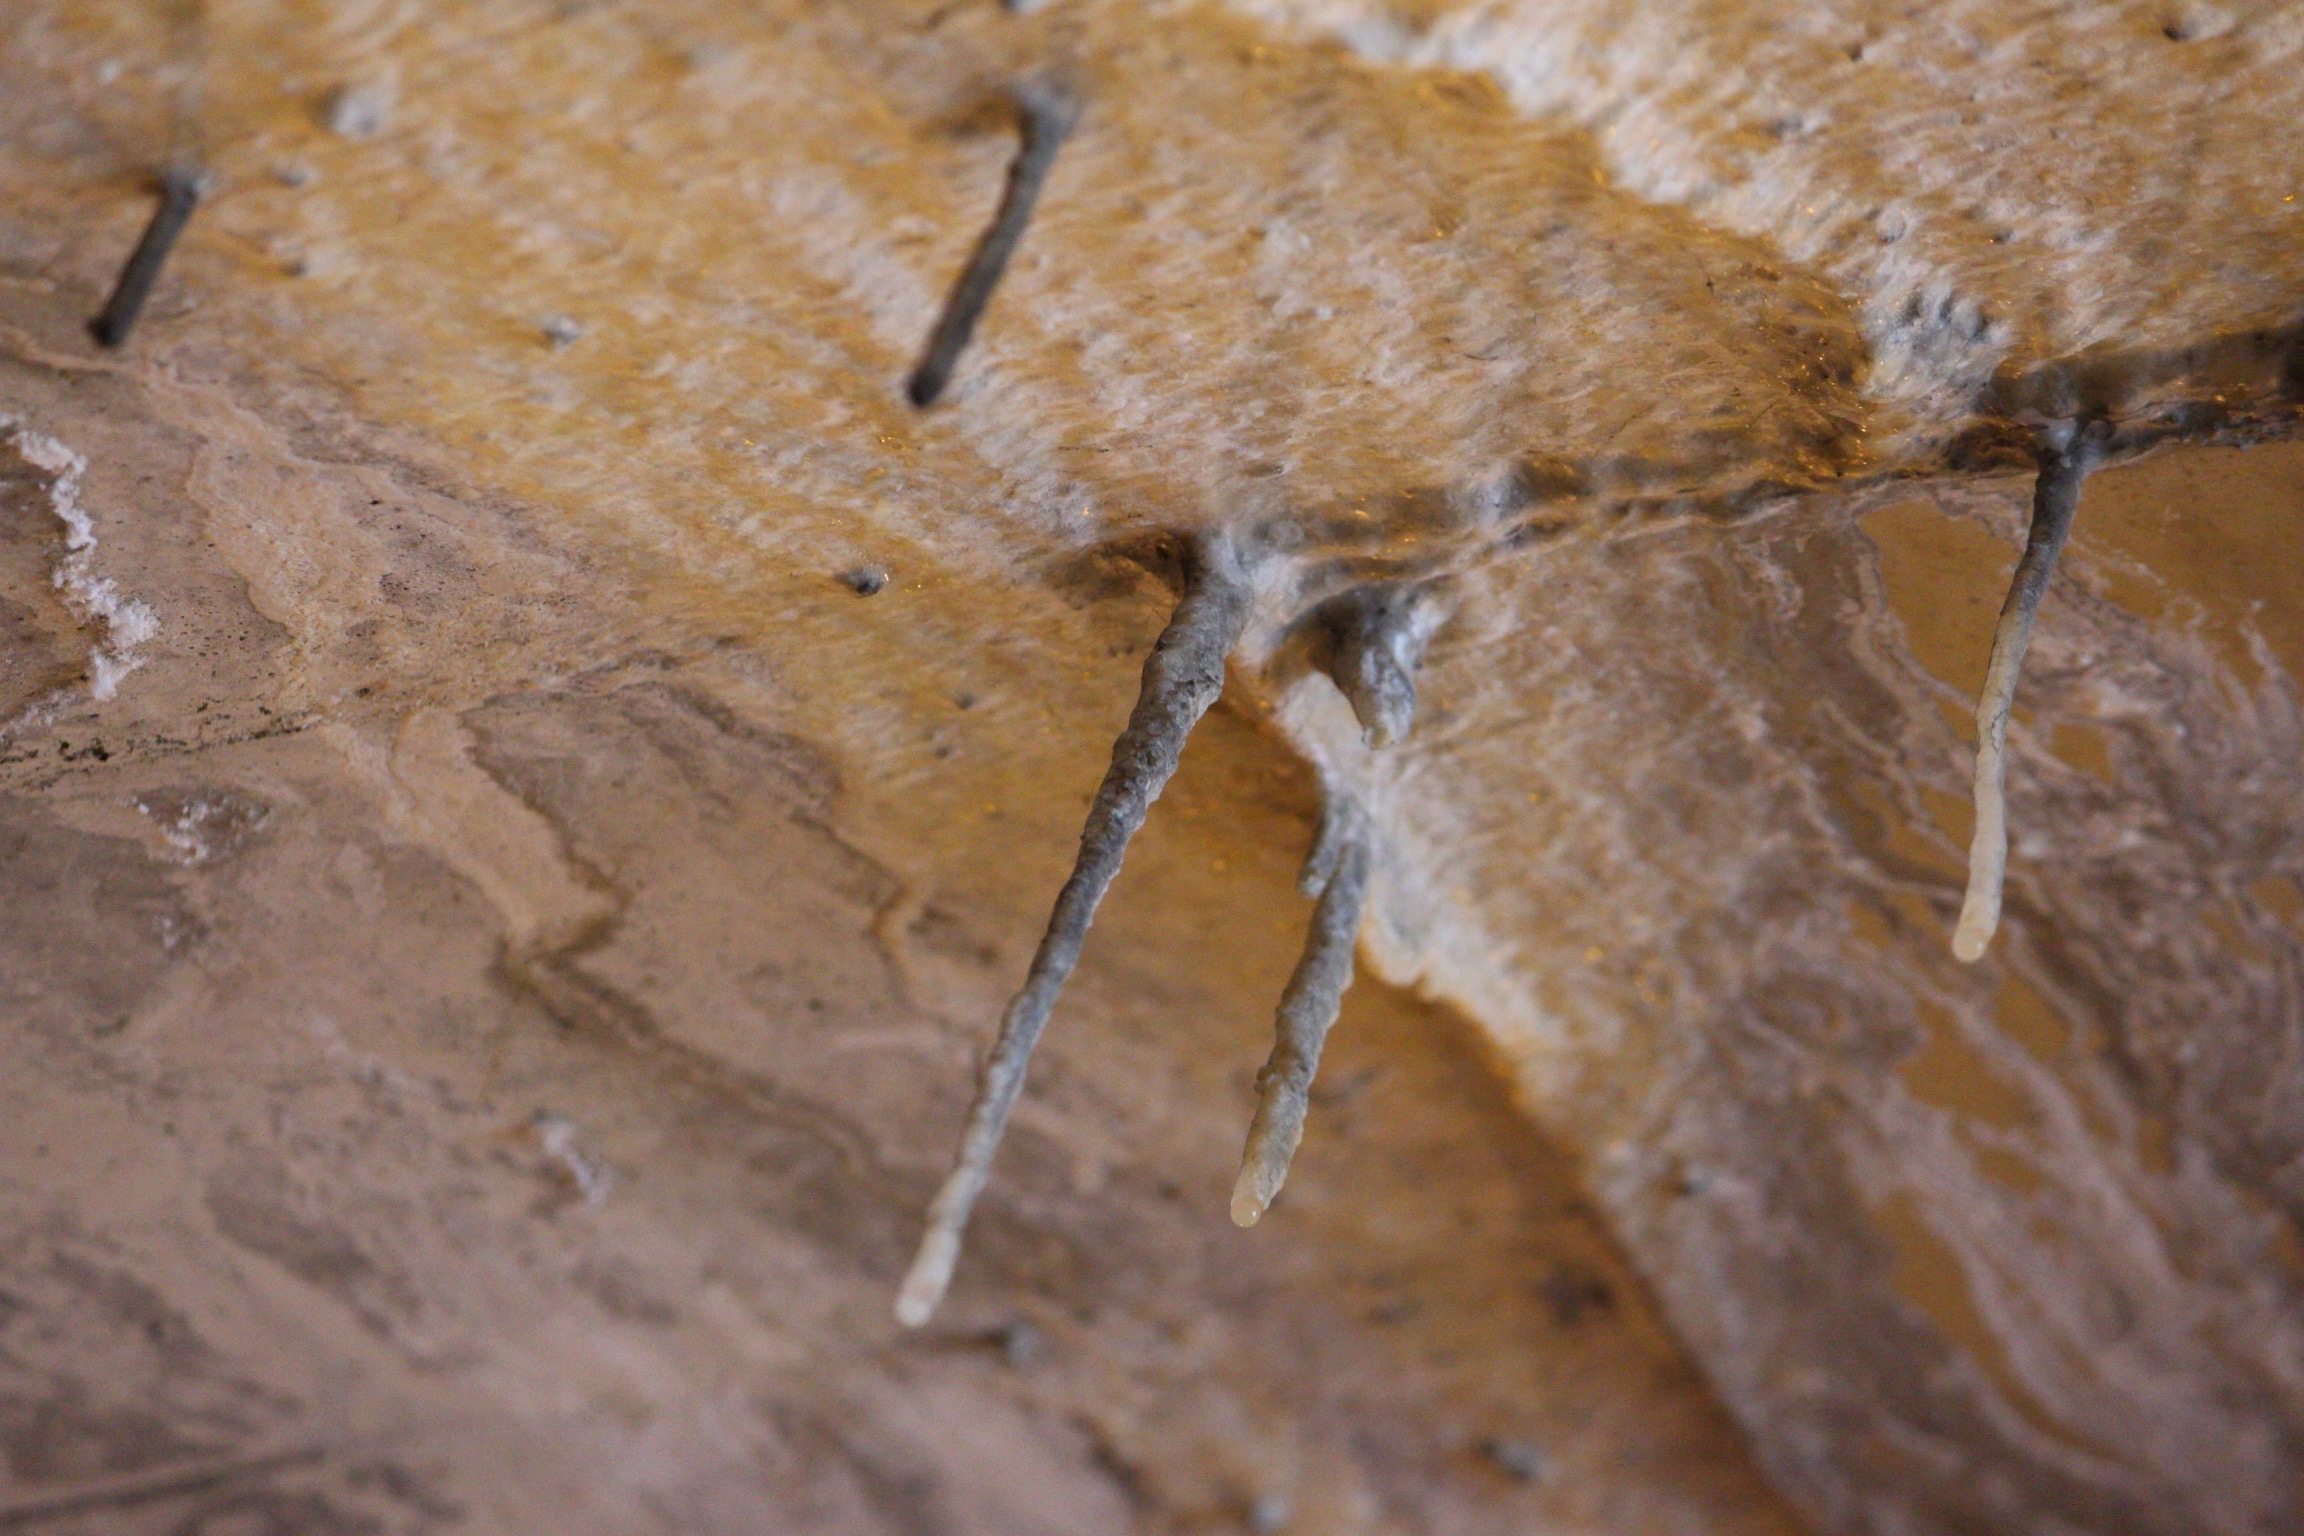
(494, 985)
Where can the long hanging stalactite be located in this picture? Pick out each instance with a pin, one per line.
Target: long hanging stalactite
(1182, 677)
(2068, 451)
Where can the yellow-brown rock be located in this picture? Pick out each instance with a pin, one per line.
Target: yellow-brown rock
(498, 929)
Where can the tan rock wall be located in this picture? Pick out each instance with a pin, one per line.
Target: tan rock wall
(498, 981)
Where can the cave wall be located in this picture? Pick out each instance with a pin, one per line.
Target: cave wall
(497, 970)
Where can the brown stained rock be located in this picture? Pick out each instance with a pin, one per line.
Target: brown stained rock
(533, 1110)
(2044, 206)
(517, 1111)
(1387, 302)
(1957, 1246)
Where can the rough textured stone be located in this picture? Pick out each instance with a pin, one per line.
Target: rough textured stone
(2047, 203)
(1963, 1246)
(507, 1104)
(491, 993)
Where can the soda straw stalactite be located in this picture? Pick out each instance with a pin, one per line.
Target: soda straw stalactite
(181, 187)
(1182, 678)
(180, 193)
(1336, 872)
(2067, 453)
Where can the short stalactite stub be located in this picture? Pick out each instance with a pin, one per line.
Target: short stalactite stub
(1336, 871)
(1380, 634)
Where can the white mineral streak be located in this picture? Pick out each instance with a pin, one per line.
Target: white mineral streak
(124, 623)
(557, 1137)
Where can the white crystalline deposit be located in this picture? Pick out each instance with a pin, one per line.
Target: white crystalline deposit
(124, 623)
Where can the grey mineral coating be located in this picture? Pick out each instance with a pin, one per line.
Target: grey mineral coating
(1336, 871)
(1379, 633)
(180, 193)
(1182, 677)
(2067, 453)
(1046, 113)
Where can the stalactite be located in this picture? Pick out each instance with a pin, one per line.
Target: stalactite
(2067, 454)
(1381, 632)
(1379, 636)
(1337, 872)
(1048, 113)
(180, 193)
(1182, 678)
(181, 188)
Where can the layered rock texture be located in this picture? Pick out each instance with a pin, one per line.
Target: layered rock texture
(531, 768)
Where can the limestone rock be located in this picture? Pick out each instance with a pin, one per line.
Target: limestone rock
(490, 994)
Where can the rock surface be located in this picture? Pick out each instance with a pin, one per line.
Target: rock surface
(494, 984)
